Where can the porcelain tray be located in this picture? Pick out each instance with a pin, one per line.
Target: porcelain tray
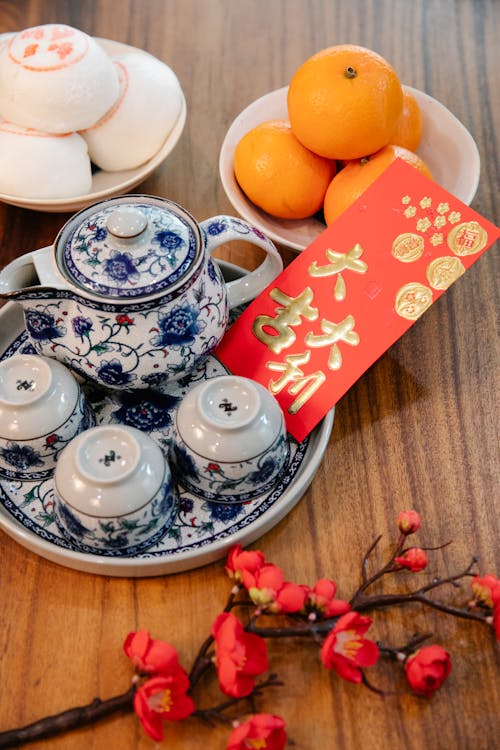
(202, 532)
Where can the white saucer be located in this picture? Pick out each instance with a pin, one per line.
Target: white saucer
(447, 147)
(106, 184)
(202, 531)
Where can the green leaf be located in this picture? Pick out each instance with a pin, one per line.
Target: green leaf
(45, 519)
(174, 533)
(30, 496)
(99, 348)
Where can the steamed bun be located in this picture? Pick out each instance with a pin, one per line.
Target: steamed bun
(42, 165)
(137, 125)
(56, 79)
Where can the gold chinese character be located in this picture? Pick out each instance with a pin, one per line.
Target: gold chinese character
(410, 212)
(443, 208)
(436, 239)
(333, 332)
(297, 382)
(439, 221)
(425, 202)
(349, 261)
(339, 262)
(467, 238)
(290, 312)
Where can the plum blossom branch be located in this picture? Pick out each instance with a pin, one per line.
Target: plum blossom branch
(235, 650)
(73, 718)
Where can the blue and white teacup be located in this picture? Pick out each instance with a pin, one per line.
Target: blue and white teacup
(113, 491)
(42, 408)
(230, 442)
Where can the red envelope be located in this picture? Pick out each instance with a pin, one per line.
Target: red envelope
(353, 292)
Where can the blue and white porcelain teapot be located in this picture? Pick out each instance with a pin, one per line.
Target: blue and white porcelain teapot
(128, 296)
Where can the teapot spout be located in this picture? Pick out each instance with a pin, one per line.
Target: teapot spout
(20, 278)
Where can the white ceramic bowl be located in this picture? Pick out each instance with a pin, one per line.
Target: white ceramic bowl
(447, 147)
(42, 408)
(113, 489)
(106, 184)
(230, 442)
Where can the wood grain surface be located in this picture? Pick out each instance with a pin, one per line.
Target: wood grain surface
(419, 429)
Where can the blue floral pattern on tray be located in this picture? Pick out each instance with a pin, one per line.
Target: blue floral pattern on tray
(199, 521)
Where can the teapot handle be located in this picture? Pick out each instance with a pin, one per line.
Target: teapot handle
(30, 269)
(221, 229)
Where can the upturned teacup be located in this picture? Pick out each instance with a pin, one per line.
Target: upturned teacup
(114, 491)
(230, 442)
(42, 408)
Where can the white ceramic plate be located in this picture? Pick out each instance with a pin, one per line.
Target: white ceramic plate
(447, 147)
(107, 184)
(202, 531)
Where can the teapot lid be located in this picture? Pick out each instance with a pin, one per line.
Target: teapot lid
(129, 247)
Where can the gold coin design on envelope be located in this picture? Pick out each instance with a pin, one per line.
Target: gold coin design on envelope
(408, 247)
(467, 238)
(412, 300)
(442, 272)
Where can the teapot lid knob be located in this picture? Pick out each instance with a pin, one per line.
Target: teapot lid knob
(127, 222)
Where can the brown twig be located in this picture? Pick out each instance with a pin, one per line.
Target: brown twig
(413, 644)
(209, 715)
(387, 568)
(364, 564)
(73, 718)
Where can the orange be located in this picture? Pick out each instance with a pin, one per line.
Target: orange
(344, 102)
(358, 175)
(279, 174)
(408, 130)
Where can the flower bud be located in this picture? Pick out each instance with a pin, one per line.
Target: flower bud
(415, 559)
(427, 668)
(408, 522)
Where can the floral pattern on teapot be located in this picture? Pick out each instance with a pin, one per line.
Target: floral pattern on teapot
(104, 347)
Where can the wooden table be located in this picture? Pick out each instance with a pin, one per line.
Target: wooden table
(418, 430)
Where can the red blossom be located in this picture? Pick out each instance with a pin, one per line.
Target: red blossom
(239, 560)
(268, 589)
(346, 651)
(212, 467)
(163, 699)
(239, 656)
(415, 559)
(124, 320)
(408, 522)
(259, 731)
(50, 440)
(427, 668)
(151, 656)
(321, 599)
(483, 588)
